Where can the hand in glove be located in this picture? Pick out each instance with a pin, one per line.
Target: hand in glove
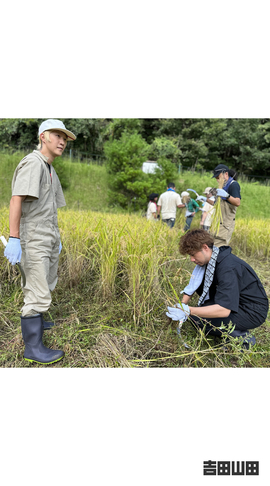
(178, 313)
(60, 247)
(13, 251)
(201, 198)
(222, 193)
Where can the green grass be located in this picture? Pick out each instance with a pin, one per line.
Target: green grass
(88, 187)
(117, 274)
(87, 184)
(254, 196)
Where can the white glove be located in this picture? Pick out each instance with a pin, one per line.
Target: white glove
(60, 247)
(195, 280)
(222, 193)
(183, 307)
(201, 198)
(178, 314)
(13, 250)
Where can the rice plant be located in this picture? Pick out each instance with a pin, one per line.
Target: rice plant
(117, 274)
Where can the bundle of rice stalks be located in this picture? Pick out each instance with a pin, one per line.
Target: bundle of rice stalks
(217, 218)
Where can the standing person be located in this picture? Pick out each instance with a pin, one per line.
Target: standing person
(167, 204)
(208, 210)
(34, 234)
(151, 214)
(230, 201)
(192, 207)
(229, 290)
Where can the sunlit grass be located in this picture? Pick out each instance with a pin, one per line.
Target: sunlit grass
(117, 273)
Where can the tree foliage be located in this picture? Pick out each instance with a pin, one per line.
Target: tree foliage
(125, 156)
(129, 185)
(199, 143)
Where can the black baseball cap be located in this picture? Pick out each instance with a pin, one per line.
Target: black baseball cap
(220, 168)
(153, 195)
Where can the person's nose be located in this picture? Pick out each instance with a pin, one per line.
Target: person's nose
(192, 259)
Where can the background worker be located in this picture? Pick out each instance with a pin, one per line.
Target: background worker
(168, 202)
(151, 214)
(230, 201)
(229, 289)
(34, 234)
(208, 210)
(192, 207)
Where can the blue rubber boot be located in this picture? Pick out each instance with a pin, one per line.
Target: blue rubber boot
(32, 331)
(47, 325)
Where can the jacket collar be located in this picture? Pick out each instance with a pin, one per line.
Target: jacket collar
(224, 251)
(39, 154)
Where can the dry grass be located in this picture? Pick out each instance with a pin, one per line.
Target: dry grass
(117, 273)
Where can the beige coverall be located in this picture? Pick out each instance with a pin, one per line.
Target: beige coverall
(39, 233)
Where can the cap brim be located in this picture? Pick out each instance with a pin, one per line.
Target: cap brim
(69, 134)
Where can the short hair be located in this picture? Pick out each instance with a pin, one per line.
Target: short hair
(171, 185)
(193, 241)
(47, 137)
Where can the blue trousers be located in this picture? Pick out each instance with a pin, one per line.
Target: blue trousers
(188, 222)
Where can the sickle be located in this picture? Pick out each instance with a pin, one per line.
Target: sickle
(193, 191)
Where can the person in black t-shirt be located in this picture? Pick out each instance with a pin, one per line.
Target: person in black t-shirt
(229, 289)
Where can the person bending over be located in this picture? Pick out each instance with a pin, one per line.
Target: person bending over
(229, 290)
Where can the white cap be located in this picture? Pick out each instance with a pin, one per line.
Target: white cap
(184, 193)
(207, 190)
(55, 125)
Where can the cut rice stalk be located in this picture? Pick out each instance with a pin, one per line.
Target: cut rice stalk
(217, 218)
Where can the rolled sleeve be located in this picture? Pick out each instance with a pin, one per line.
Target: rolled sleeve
(26, 179)
(234, 190)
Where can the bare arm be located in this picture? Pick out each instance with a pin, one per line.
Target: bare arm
(186, 299)
(215, 310)
(235, 201)
(210, 201)
(158, 209)
(15, 212)
(181, 206)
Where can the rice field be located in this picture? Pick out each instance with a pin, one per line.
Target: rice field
(117, 274)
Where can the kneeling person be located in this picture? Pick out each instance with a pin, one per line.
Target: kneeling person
(229, 289)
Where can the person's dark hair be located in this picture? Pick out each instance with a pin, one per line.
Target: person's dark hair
(152, 196)
(233, 173)
(193, 241)
(213, 191)
(171, 185)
